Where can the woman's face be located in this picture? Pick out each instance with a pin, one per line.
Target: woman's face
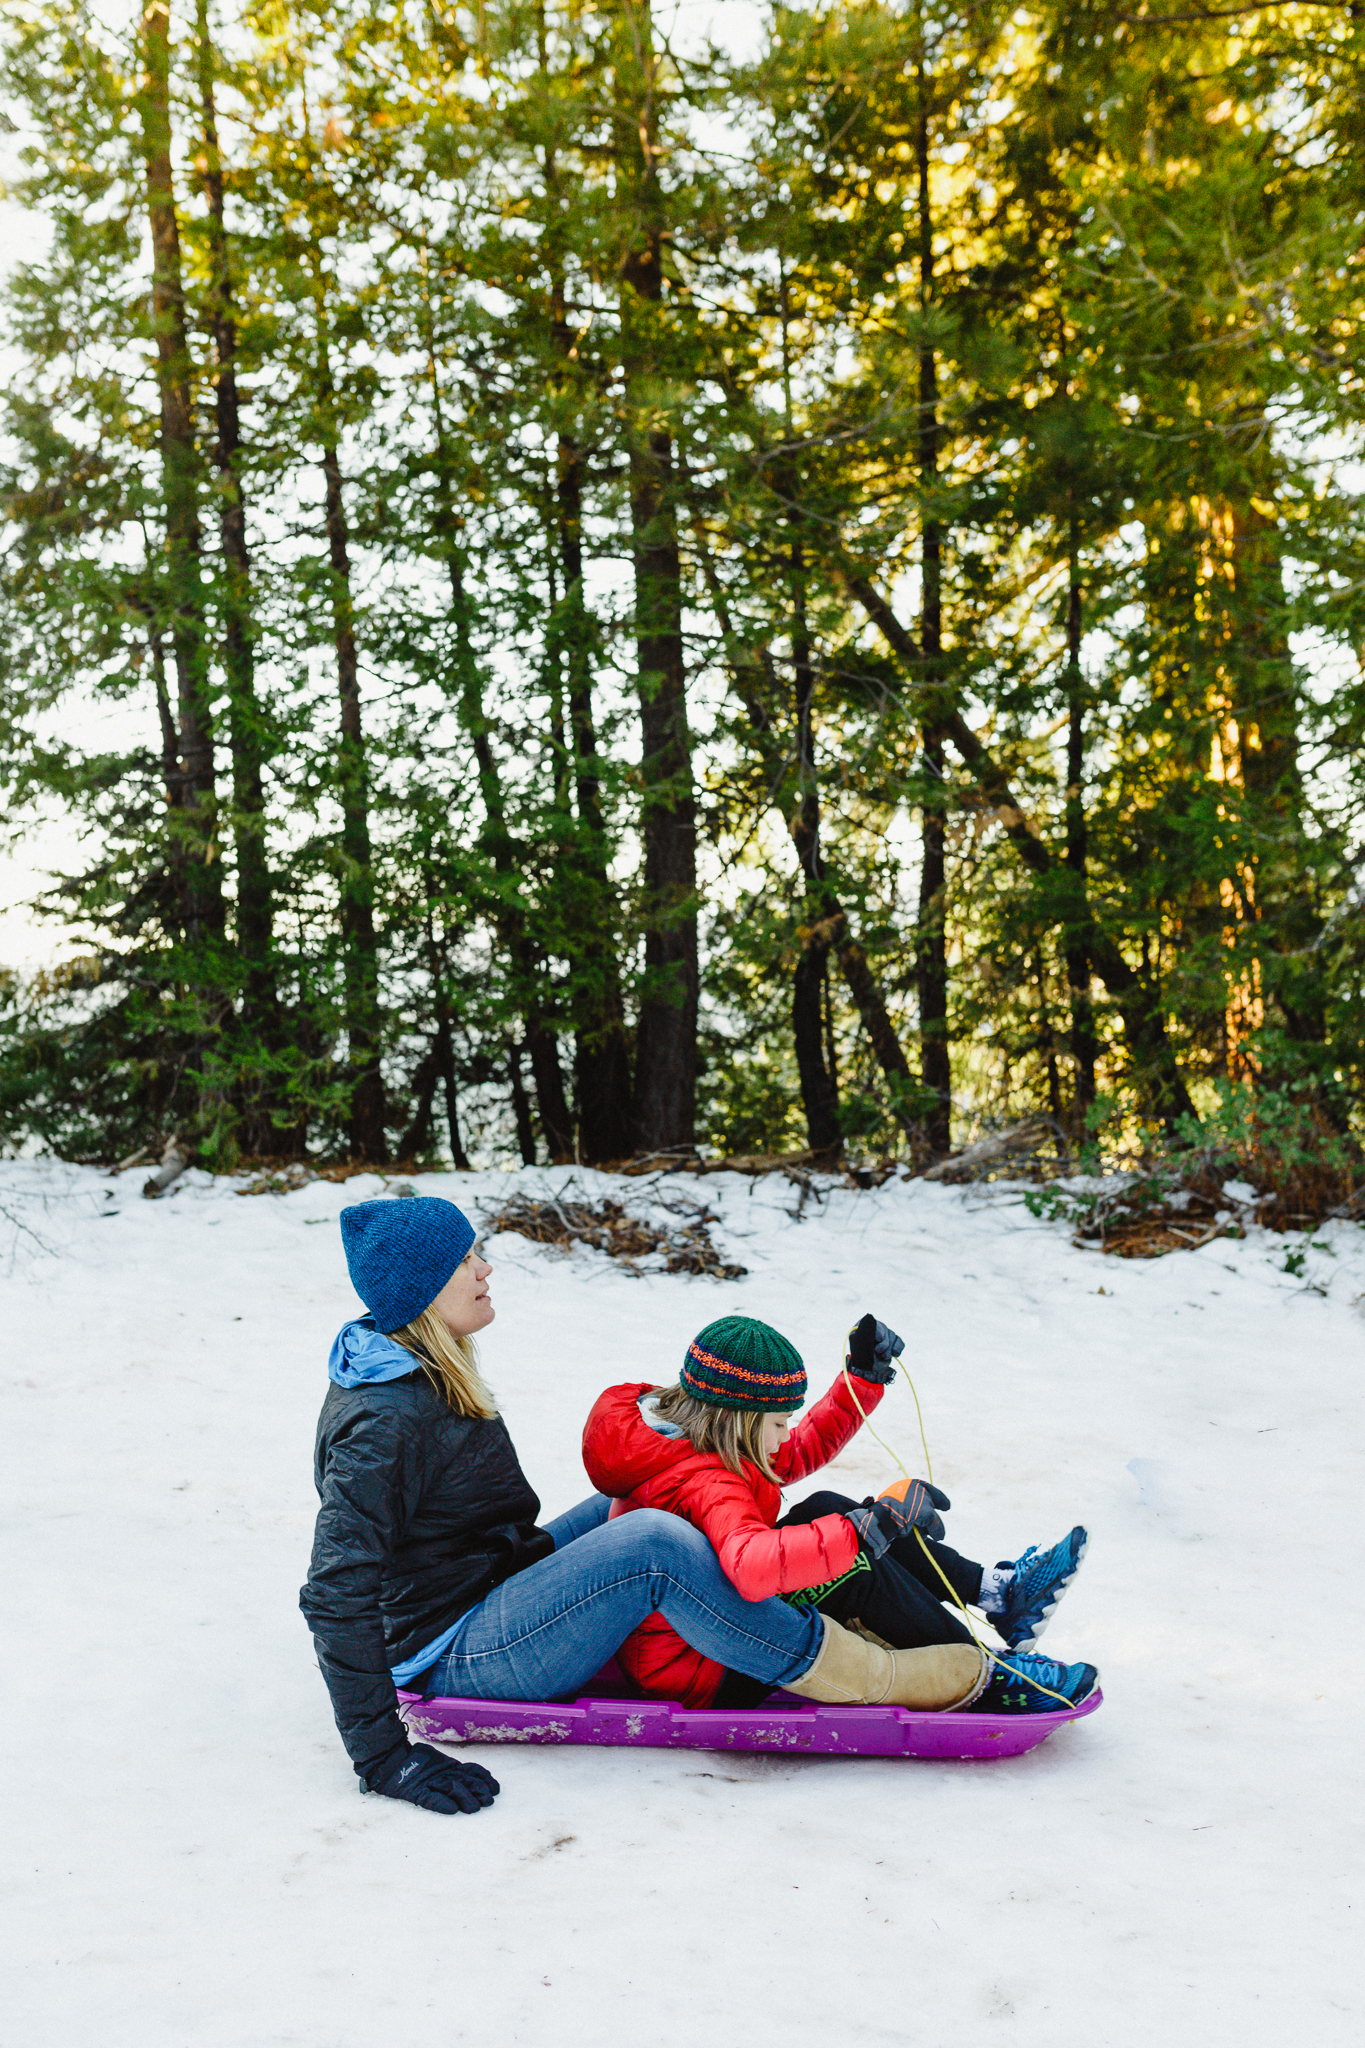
(463, 1304)
(776, 1430)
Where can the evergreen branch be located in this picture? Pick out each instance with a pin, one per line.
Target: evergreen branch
(1229, 13)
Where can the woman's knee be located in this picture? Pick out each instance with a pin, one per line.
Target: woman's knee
(658, 1538)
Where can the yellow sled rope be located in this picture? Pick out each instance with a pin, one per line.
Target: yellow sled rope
(994, 1655)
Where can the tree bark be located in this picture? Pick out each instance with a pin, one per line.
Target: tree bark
(1265, 706)
(521, 1108)
(367, 1110)
(931, 934)
(666, 1042)
(1047, 1038)
(602, 1076)
(606, 1127)
(254, 918)
(445, 1051)
(819, 1088)
(443, 1042)
(197, 824)
(1076, 939)
(556, 1122)
(425, 1081)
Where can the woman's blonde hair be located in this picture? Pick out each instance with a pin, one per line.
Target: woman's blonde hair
(733, 1434)
(451, 1363)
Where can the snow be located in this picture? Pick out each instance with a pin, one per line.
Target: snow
(188, 1864)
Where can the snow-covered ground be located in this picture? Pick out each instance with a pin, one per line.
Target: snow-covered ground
(189, 1864)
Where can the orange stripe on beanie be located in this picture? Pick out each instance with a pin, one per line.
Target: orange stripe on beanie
(738, 1362)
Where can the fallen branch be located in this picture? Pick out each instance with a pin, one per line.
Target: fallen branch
(1025, 1137)
(607, 1226)
(174, 1160)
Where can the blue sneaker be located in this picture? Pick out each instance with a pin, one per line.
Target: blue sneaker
(1040, 1579)
(1031, 1685)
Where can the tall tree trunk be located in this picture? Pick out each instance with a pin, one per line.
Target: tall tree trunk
(812, 1018)
(602, 1076)
(521, 1108)
(819, 1088)
(932, 935)
(443, 1044)
(246, 725)
(174, 912)
(445, 1050)
(1047, 1038)
(367, 1111)
(556, 1120)
(1084, 1049)
(1265, 706)
(425, 1081)
(203, 898)
(666, 1043)
(606, 1128)
(246, 731)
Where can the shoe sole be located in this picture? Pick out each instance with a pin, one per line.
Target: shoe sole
(1061, 1587)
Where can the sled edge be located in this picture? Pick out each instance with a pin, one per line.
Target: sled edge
(777, 1728)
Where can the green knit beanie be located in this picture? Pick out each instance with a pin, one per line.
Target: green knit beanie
(738, 1362)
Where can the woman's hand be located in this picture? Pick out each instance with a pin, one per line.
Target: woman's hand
(426, 1778)
(871, 1348)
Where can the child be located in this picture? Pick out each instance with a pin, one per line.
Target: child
(717, 1449)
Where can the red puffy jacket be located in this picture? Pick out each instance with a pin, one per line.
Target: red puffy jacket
(643, 1469)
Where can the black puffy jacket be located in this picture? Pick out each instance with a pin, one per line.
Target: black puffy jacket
(423, 1512)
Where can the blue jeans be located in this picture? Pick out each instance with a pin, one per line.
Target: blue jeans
(542, 1634)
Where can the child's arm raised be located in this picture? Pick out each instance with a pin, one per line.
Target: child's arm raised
(822, 1434)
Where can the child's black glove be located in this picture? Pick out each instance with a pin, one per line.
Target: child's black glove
(871, 1348)
(426, 1778)
(909, 1504)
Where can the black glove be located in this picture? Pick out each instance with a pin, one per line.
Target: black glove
(909, 1504)
(871, 1348)
(426, 1778)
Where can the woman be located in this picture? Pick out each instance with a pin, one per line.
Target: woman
(429, 1569)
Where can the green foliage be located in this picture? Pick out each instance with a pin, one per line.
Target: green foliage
(1281, 1141)
(1057, 319)
(753, 1106)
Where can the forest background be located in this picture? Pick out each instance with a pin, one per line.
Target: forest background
(656, 597)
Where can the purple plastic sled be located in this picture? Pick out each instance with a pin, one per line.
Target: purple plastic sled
(781, 1723)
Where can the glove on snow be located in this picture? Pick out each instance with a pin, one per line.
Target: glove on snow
(426, 1778)
(871, 1348)
(909, 1504)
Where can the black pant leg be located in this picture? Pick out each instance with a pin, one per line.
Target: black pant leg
(739, 1693)
(903, 1605)
(894, 1606)
(900, 1597)
(963, 1575)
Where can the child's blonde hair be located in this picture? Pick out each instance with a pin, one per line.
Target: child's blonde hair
(451, 1363)
(732, 1434)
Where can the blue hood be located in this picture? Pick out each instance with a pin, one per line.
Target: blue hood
(361, 1354)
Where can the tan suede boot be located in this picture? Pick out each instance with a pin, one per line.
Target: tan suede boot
(854, 1671)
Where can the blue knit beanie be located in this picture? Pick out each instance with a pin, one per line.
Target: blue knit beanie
(738, 1362)
(401, 1253)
